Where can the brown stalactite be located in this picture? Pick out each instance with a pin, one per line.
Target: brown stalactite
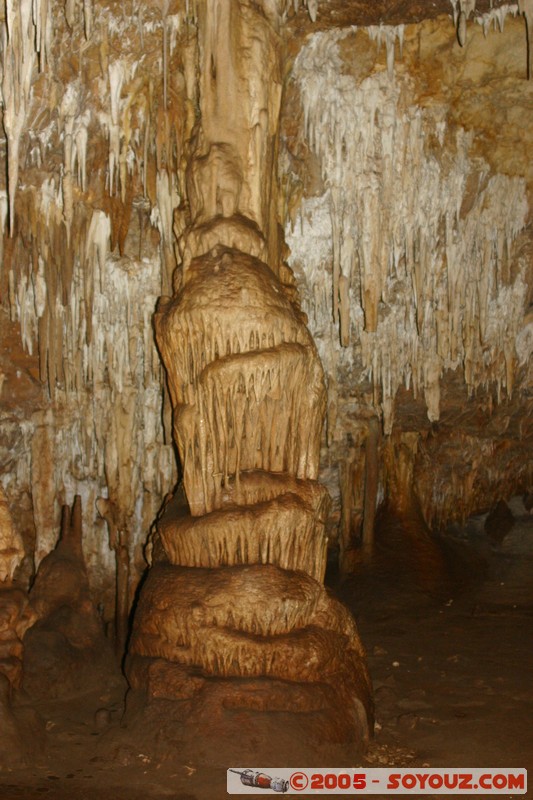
(371, 483)
(123, 599)
(526, 8)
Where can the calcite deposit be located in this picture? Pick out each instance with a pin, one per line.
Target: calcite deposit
(16, 616)
(409, 227)
(220, 223)
(249, 398)
(11, 545)
(67, 635)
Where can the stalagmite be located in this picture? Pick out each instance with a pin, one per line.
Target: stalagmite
(248, 400)
(248, 395)
(68, 636)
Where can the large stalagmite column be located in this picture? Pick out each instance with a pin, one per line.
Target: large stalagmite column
(233, 617)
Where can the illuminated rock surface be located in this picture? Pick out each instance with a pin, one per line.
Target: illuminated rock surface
(372, 159)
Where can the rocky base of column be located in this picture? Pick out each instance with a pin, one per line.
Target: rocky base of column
(248, 651)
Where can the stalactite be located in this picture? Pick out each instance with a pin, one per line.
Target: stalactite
(84, 310)
(69, 112)
(116, 79)
(109, 361)
(11, 545)
(43, 26)
(496, 17)
(390, 34)
(16, 614)
(526, 8)
(451, 491)
(88, 17)
(164, 15)
(70, 12)
(466, 8)
(424, 241)
(118, 541)
(4, 214)
(371, 483)
(162, 216)
(96, 249)
(18, 61)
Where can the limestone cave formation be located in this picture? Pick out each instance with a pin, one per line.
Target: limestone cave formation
(266, 388)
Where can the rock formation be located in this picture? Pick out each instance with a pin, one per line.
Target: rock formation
(369, 161)
(97, 148)
(66, 650)
(238, 591)
(237, 594)
(399, 181)
(16, 616)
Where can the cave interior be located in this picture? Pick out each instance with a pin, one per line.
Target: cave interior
(266, 390)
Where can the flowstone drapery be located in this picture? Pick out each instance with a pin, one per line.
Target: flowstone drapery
(233, 616)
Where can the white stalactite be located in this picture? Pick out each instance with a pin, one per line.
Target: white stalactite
(426, 280)
(496, 17)
(117, 75)
(389, 34)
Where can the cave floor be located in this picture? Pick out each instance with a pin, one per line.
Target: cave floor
(448, 627)
(450, 645)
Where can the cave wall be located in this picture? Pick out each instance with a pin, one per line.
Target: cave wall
(98, 94)
(408, 216)
(406, 196)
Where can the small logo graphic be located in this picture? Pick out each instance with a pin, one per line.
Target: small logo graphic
(261, 781)
(299, 781)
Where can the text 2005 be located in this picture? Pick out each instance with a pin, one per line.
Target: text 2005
(330, 780)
